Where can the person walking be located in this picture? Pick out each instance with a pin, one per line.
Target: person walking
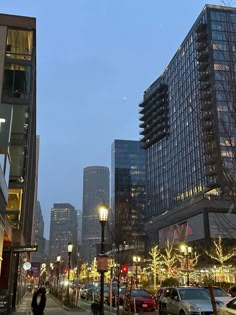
(39, 301)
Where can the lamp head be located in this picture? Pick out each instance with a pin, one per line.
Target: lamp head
(103, 212)
(69, 248)
(183, 248)
(136, 259)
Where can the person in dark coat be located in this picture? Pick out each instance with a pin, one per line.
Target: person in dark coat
(39, 301)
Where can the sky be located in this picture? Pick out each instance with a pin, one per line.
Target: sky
(95, 59)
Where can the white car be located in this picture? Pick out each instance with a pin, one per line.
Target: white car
(186, 301)
(221, 295)
(229, 308)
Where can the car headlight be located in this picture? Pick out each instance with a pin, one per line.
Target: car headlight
(194, 308)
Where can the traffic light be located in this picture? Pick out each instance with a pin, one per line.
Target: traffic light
(124, 269)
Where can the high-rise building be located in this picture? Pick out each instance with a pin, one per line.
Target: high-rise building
(63, 229)
(189, 132)
(38, 236)
(18, 110)
(79, 224)
(95, 191)
(128, 176)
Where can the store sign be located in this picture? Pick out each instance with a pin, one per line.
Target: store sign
(35, 269)
(30, 248)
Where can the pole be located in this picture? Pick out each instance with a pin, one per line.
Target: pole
(58, 272)
(136, 274)
(118, 284)
(187, 270)
(102, 272)
(68, 287)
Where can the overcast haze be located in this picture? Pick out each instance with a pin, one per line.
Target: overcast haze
(95, 58)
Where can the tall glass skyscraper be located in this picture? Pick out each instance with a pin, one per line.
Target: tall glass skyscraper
(189, 132)
(63, 229)
(95, 191)
(128, 192)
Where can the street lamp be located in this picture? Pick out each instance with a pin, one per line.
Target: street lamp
(58, 272)
(103, 218)
(136, 260)
(187, 251)
(69, 251)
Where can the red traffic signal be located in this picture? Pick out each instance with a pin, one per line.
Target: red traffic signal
(124, 268)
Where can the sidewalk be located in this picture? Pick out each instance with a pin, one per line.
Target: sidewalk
(24, 308)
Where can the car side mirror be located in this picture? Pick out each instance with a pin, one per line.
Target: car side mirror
(176, 298)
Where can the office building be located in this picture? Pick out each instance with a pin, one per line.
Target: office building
(79, 224)
(18, 115)
(38, 235)
(188, 130)
(128, 176)
(95, 191)
(63, 229)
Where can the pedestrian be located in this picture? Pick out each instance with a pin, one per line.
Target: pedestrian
(39, 301)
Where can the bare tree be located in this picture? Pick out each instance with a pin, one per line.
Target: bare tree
(155, 263)
(170, 259)
(220, 256)
(84, 272)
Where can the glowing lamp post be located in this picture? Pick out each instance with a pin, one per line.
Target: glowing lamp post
(136, 260)
(58, 272)
(102, 259)
(69, 251)
(187, 251)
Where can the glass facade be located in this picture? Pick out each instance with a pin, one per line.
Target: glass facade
(95, 191)
(128, 191)
(201, 126)
(63, 228)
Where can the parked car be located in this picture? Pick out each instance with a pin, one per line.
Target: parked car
(186, 301)
(139, 300)
(84, 289)
(232, 291)
(105, 294)
(90, 293)
(117, 298)
(221, 295)
(228, 308)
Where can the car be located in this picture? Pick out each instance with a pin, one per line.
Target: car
(117, 298)
(139, 300)
(105, 293)
(228, 308)
(221, 295)
(90, 293)
(186, 301)
(232, 291)
(84, 289)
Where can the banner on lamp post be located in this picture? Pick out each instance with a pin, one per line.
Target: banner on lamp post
(102, 263)
(186, 265)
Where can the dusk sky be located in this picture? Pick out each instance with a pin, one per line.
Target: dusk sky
(95, 58)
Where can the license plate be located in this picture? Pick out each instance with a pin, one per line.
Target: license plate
(144, 305)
